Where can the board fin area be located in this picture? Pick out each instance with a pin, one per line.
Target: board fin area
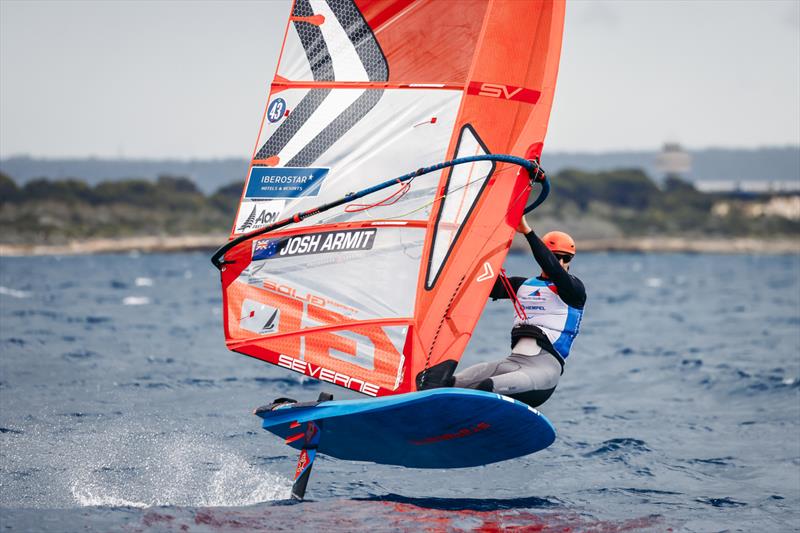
(309, 436)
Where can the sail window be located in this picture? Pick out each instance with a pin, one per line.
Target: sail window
(464, 185)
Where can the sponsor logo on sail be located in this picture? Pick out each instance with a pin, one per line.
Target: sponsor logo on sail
(284, 182)
(306, 297)
(325, 374)
(315, 243)
(256, 215)
(258, 317)
(503, 92)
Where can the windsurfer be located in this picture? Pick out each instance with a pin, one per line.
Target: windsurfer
(542, 335)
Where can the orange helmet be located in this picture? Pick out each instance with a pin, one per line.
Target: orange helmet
(559, 242)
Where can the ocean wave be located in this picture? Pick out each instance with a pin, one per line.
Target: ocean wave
(619, 446)
(80, 354)
(721, 502)
(14, 293)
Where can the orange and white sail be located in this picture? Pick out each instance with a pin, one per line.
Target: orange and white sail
(377, 296)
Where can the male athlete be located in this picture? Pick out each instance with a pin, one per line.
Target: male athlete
(541, 338)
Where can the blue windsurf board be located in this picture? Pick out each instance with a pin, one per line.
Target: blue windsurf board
(438, 428)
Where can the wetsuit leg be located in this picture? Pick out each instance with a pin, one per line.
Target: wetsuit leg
(473, 376)
(534, 398)
(534, 382)
(531, 379)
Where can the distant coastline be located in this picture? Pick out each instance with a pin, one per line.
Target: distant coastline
(209, 242)
(151, 244)
(623, 210)
(709, 166)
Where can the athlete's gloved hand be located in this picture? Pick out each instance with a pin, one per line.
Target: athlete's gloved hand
(523, 226)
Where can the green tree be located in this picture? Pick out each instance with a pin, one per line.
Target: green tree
(627, 188)
(137, 192)
(9, 192)
(226, 198)
(65, 191)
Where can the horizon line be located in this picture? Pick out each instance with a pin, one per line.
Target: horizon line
(245, 158)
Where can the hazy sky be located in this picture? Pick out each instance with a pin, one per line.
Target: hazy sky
(189, 79)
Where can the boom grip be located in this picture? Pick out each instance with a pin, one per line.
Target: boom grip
(542, 196)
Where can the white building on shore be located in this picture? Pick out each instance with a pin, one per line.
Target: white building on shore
(674, 160)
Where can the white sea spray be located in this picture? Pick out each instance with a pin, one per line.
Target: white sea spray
(14, 293)
(135, 300)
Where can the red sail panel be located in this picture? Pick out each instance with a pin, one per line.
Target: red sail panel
(426, 41)
(519, 50)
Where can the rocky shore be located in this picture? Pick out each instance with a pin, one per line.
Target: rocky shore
(156, 244)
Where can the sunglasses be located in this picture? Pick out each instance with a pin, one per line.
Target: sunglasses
(564, 257)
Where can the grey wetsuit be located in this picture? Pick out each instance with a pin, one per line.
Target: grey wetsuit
(531, 373)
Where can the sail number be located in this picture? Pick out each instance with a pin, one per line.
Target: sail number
(361, 356)
(276, 110)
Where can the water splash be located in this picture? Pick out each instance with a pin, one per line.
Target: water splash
(91, 462)
(85, 497)
(140, 470)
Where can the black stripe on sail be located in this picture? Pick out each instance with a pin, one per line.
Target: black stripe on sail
(314, 45)
(336, 129)
(364, 41)
(289, 128)
(377, 69)
(375, 65)
(319, 58)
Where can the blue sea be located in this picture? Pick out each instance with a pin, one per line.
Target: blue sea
(121, 409)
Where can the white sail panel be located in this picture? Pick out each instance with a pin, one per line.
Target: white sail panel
(330, 41)
(346, 63)
(330, 108)
(360, 274)
(403, 129)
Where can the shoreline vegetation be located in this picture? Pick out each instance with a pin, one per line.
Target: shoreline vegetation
(210, 242)
(622, 210)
